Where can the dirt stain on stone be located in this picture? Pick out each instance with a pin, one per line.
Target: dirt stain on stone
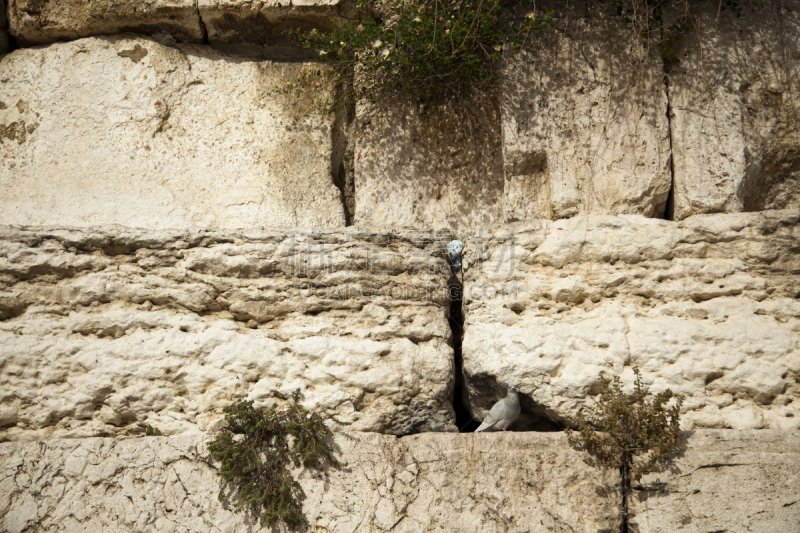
(14, 132)
(135, 55)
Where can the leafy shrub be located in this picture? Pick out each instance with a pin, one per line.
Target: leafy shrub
(427, 49)
(633, 432)
(150, 431)
(256, 450)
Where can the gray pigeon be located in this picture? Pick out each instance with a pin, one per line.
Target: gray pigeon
(503, 413)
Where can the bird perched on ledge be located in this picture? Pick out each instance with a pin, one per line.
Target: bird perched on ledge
(503, 413)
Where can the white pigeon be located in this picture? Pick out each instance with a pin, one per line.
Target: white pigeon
(503, 413)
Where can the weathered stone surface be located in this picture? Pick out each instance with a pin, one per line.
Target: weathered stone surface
(262, 27)
(584, 124)
(708, 307)
(442, 169)
(531, 482)
(735, 113)
(105, 330)
(46, 21)
(123, 130)
(3, 28)
(738, 481)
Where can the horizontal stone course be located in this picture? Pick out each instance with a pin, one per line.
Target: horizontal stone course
(743, 481)
(104, 330)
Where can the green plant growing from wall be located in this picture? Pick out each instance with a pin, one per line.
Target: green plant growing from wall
(256, 450)
(425, 49)
(631, 432)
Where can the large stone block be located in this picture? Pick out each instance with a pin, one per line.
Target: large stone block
(105, 330)
(708, 307)
(261, 27)
(123, 130)
(743, 481)
(437, 169)
(46, 21)
(735, 110)
(531, 482)
(584, 123)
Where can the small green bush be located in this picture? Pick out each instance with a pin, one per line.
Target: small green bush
(256, 450)
(150, 431)
(425, 49)
(632, 432)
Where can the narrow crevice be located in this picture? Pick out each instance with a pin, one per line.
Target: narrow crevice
(342, 164)
(12, 43)
(669, 208)
(464, 420)
(202, 23)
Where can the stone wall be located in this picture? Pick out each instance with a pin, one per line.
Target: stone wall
(172, 240)
(707, 307)
(534, 482)
(104, 330)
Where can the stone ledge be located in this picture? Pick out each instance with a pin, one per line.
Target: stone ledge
(516, 482)
(46, 21)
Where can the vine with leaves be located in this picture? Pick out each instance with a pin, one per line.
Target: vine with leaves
(425, 49)
(257, 448)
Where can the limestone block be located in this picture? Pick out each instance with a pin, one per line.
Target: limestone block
(45, 21)
(262, 26)
(123, 130)
(468, 483)
(104, 330)
(440, 169)
(707, 307)
(742, 481)
(584, 124)
(4, 46)
(735, 113)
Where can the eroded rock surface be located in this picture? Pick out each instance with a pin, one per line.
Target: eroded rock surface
(467, 483)
(744, 481)
(584, 123)
(262, 27)
(124, 130)
(105, 330)
(734, 110)
(46, 21)
(440, 169)
(708, 307)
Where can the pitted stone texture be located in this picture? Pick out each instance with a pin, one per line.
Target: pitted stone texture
(45, 21)
(4, 45)
(708, 307)
(123, 130)
(737, 481)
(584, 124)
(531, 482)
(734, 106)
(261, 27)
(440, 169)
(105, 330)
